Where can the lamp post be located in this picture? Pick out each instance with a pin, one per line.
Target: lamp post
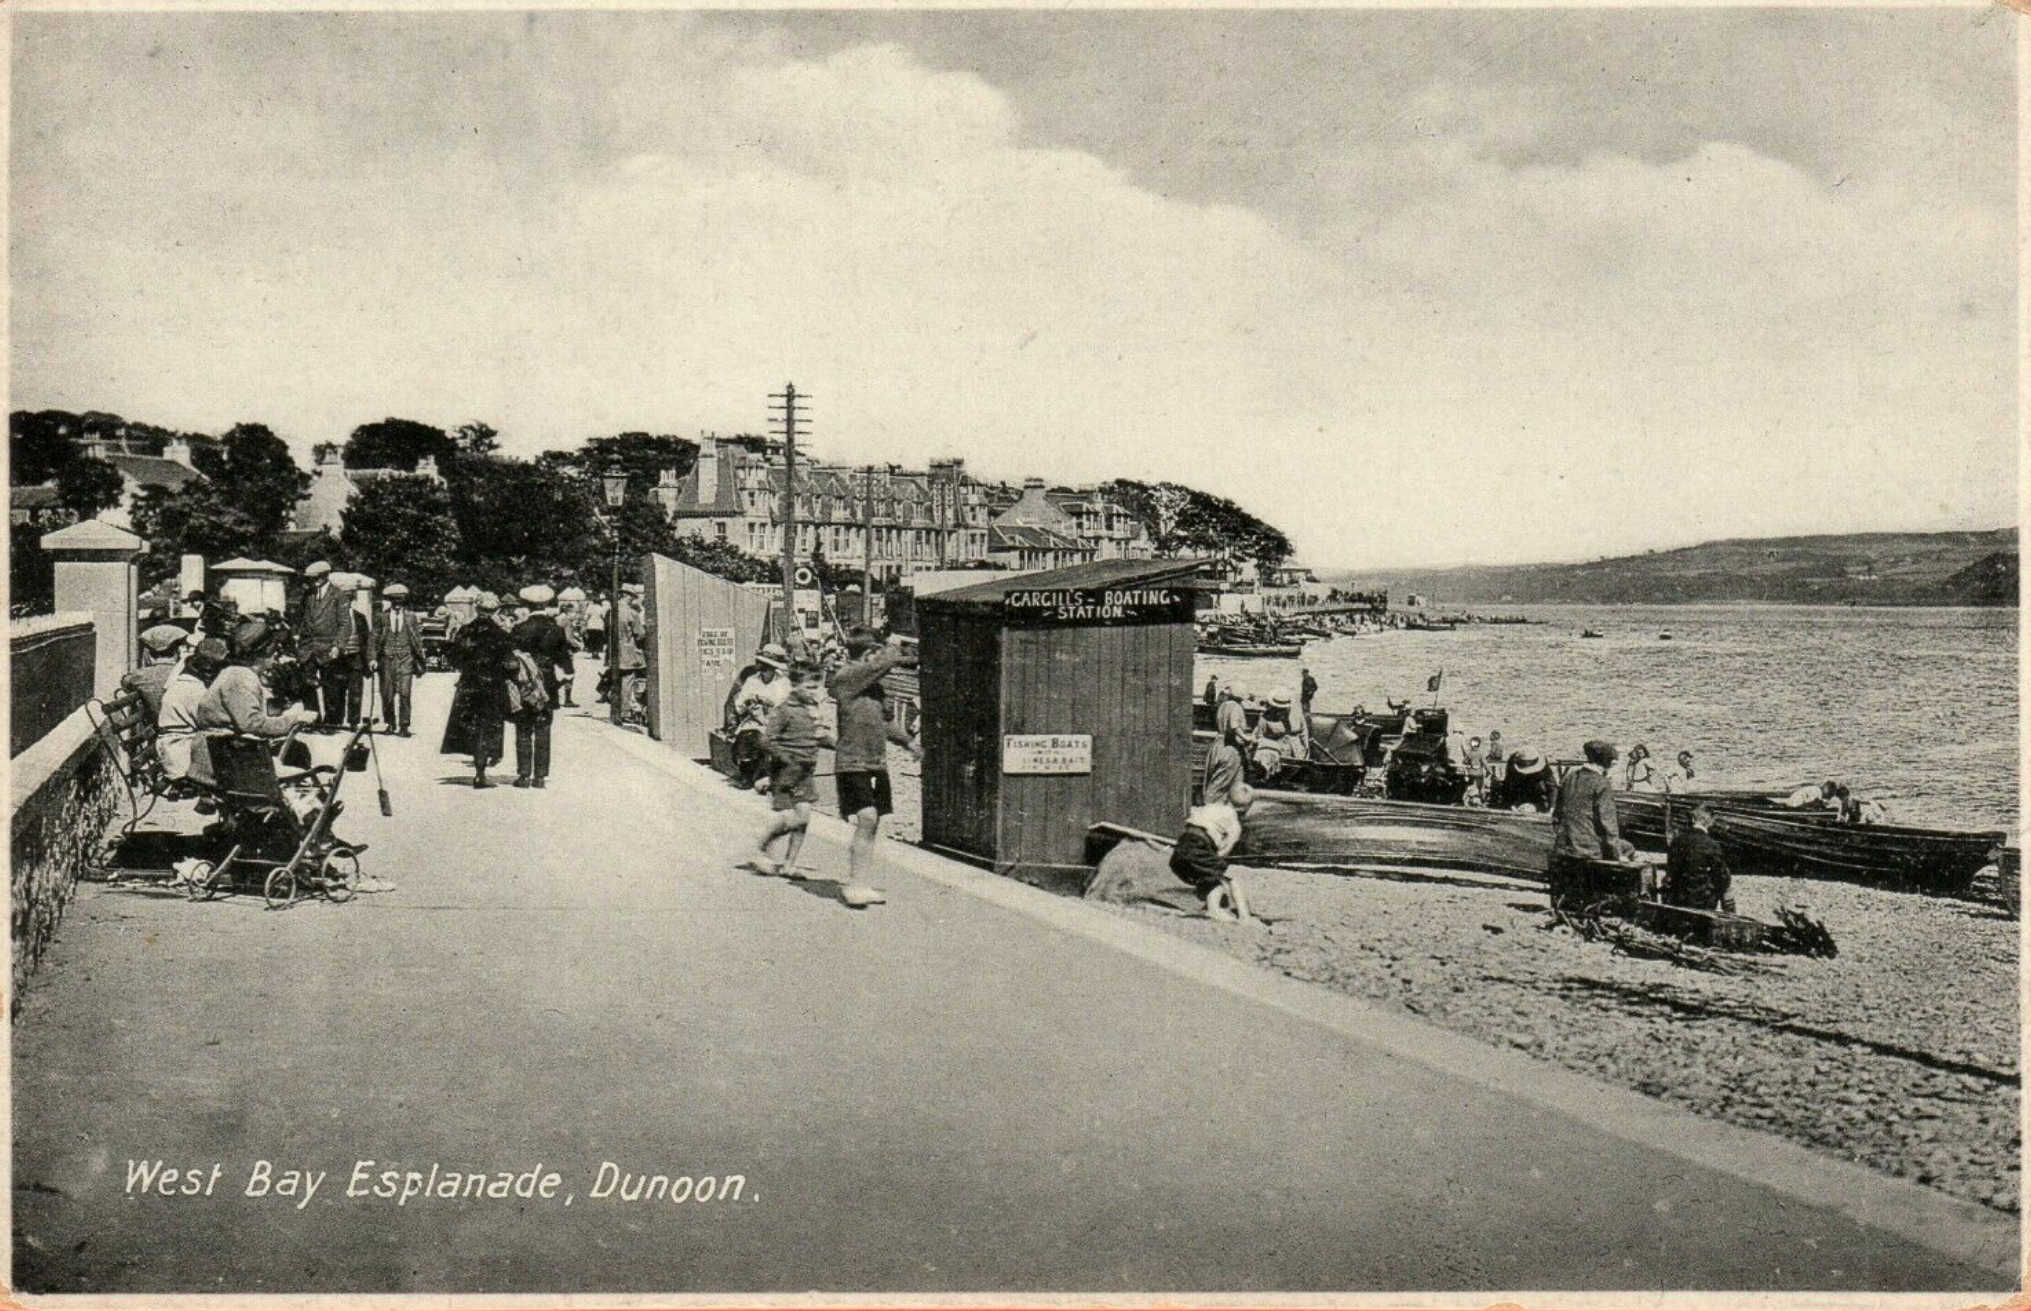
(615, 481)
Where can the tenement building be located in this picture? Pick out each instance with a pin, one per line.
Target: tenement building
(938, 518)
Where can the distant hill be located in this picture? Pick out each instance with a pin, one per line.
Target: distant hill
(1978, 568)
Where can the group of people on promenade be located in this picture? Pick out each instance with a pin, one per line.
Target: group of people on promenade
(774, 717)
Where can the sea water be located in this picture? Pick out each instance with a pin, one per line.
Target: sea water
(1917, 707)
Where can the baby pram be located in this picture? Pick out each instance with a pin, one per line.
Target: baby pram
(277, 823)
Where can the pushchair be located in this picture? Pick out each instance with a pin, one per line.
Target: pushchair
(278, 825)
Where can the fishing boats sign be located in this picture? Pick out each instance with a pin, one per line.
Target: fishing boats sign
(1044, 606)
(1047, 753)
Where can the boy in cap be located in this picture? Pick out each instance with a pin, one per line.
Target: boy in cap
(865, 730)
(1200, 856)
(792, 737)
(398, 651)
(162, 651)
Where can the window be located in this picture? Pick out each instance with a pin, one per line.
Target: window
(720, 529)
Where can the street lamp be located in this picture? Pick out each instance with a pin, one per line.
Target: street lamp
(615, 481)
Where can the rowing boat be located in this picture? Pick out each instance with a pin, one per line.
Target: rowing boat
(1327, 832)
(1884, 855)
(1252, 650)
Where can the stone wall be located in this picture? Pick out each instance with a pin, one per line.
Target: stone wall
(50, 673)
(65, 792)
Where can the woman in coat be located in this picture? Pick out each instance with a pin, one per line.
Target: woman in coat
(484, 656)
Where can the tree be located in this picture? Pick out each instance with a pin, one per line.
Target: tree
(477, 438)
(644, 455)
(240, 503)
(401, 530)
(398, 444)
(520, 521)
(1182, 519)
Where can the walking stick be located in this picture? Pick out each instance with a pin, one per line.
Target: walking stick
(380, 787)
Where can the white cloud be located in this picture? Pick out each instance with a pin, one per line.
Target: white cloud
(1485, 358)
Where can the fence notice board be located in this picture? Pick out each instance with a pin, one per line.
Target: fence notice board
(702, 631)
(1053, 701)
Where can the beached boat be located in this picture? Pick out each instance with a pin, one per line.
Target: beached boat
(1348, 832)
(1592, 632)
(1642, 814)
(1883, 855)
(1252, 650)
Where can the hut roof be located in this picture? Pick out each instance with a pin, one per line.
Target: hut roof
(1099, 573)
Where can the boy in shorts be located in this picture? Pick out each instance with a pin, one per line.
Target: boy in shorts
(865, 730)
(792, 738)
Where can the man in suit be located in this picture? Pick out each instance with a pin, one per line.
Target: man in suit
(542, 638)
(324, 629)
(398, 650)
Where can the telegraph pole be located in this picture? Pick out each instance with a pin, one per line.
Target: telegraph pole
(867, 560)
(785, 404)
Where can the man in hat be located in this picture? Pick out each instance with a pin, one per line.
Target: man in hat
(1526, 784)
(759, 694)
(542, 639)
(324, 630)
(1584, 825)
(398, 652)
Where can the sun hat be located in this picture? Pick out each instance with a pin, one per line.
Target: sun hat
(773, 655)
(1526, 761)
(396, 591)
(1281, 701)
(537, 594)
(161, 639)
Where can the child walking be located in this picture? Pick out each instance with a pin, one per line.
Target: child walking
(791, 737)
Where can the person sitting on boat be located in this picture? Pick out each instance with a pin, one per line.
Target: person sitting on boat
(1678, 779)
(1279, 740)
(1826, 796)
(1639, 775)
(1200, 856)
(1497, 765)
(1863, 810)
(1526, 784)
(1696, 869)
(1584, 826)
(1231, 742)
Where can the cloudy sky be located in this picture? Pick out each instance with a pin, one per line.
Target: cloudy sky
(1419, 287)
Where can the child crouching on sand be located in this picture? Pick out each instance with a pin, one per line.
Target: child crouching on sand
(1200, 858)
(792, 737)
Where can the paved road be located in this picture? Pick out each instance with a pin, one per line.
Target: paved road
(941, 1093)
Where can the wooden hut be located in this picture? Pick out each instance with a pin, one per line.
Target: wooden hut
(702, 630)
(1053, 701)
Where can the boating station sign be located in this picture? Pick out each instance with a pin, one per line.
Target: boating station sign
(1047, 753)
(1049, 606)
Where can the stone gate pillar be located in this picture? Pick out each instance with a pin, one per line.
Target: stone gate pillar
(96, 572)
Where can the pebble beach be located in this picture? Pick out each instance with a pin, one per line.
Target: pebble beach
(1900, 1054)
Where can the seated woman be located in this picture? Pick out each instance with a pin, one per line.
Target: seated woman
(1281, 738)
(1526, 784)
(237, 700)
(177, 739)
